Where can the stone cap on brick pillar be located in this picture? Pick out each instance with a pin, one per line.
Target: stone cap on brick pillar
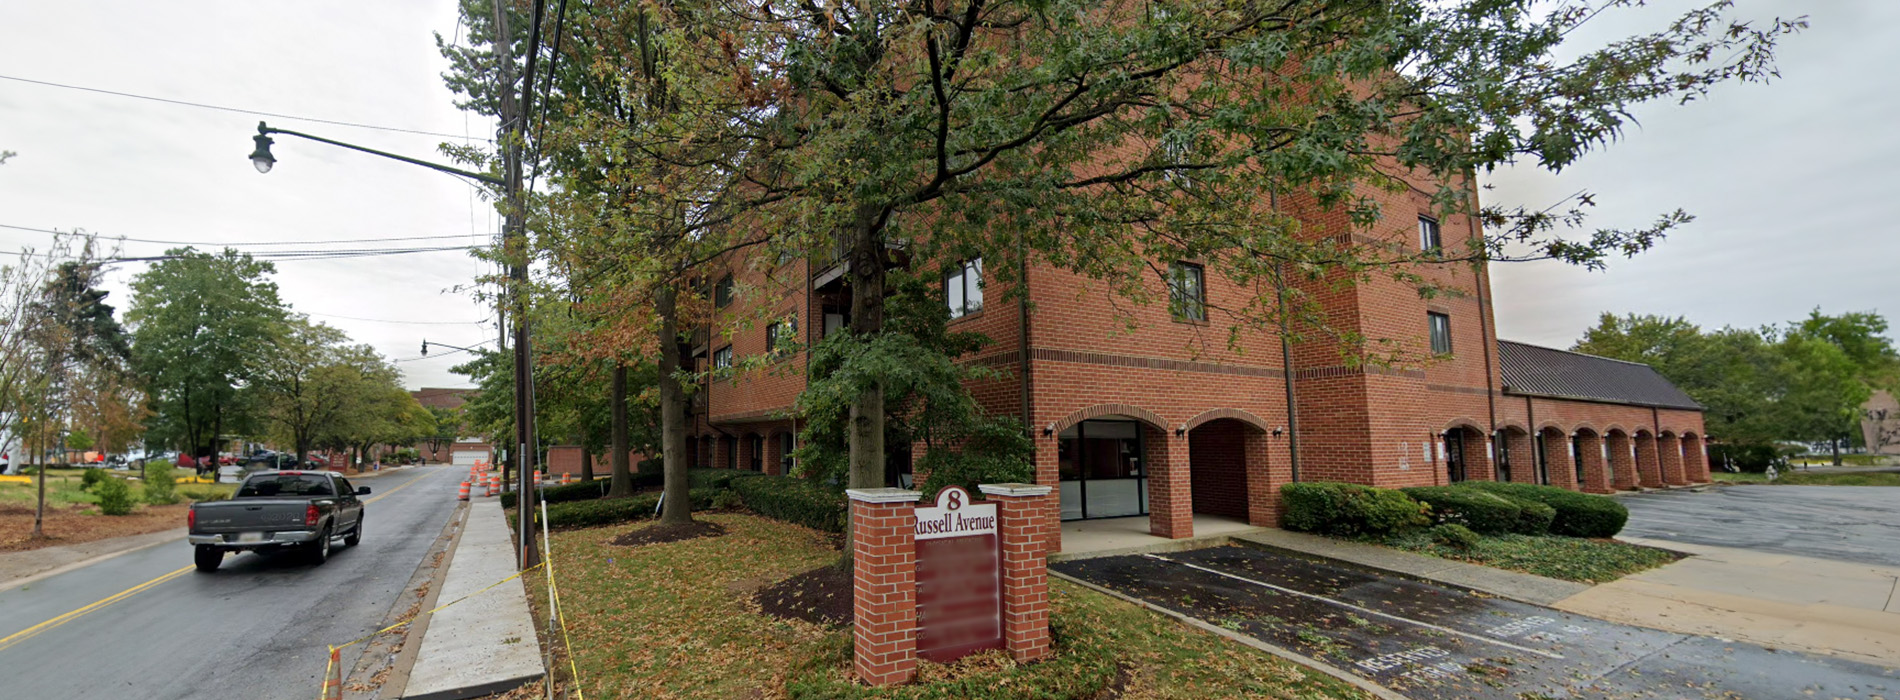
(1014, 489)
(885, 495)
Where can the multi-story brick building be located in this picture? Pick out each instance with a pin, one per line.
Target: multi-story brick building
(463, 449)
(1166, 419)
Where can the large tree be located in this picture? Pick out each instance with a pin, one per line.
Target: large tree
(304, 387)
(202, 324)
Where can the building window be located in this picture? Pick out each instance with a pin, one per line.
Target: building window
(1176, 153)
(1441, 333)
(787, 443)
(722, 358)
(963, 288)
(722, 292)
(1428, 239)
(756, 460)
(1187, 294)
(781, 336)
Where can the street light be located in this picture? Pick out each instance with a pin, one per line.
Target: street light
(262, 159)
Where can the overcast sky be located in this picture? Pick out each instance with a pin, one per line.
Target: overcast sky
(1792, 182)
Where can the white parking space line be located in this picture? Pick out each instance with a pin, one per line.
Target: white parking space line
(1368, 611)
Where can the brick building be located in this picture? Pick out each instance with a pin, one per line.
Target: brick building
(1166, 420)
(445, 451)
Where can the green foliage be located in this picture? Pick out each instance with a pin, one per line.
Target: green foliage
(1567, 558)
(1485, 513)
(202, 326)
(1453, 535)
(597, 512)
(1349, 510)
(203, 494)
(1747, 458)
(712, 479)
(1799, 478)
(1577, 514)
(794, 500)
(79, 440)
(115, 496)
(926, 391)
(1533, 518)
(160, 484)
(91, 478)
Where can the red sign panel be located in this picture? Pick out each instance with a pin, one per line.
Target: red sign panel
(959, 578)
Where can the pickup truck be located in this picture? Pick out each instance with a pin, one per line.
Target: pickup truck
(277, 510)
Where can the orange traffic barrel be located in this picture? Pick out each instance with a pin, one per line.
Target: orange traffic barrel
(463, 494)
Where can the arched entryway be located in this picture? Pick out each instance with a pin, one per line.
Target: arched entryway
(1648, 460)
(1556, 456)
(1516, 457)
(1463, 448)
(1695, 459)
(1620, 451)
(1587, 451)
(1669, 455)
(1226, 457)
(1102, 464)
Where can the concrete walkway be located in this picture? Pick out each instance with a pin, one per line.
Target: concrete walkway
(1527, 588)
(1845, 609)
(485, 644)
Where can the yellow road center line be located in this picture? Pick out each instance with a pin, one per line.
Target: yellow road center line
(30, 632)
(35, 630)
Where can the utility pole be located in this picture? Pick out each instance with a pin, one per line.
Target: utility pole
(515, 250)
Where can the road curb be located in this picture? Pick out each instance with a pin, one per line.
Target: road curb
(396, 666)
(1336, 672)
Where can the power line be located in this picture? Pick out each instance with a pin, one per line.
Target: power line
(406, 323)
(238, 110)
(276, 256)
(244, 243)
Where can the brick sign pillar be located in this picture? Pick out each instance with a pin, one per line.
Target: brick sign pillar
(1025, 567)
(884, 589)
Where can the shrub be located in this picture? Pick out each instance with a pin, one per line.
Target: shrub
(794, 500)
(197, 495)
(1748, 458)
(160, 484)
(1577, 514)
(1454, 535)
(1349, 509)
(115, 496)
(1533, 518)
(1483, 512)
(91, 477)
(717, 478)
(607, 511)
(583, 491)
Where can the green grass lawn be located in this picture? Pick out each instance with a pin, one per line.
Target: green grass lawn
(1795, 477)
(62, 489)
(1567, 558)
(680, 616)
(1738, 478)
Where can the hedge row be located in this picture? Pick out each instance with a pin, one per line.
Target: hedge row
(1484, 513)
(1349, 509)
(793, 500)
(588, 490)
(608, 511)
(1576, 514)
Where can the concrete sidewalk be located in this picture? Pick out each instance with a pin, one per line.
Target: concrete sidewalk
(485, 644)
(1527, 588)
(1778, 600)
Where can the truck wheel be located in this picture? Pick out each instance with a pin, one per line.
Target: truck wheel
(208, 558)
(320, 550)
(356, 534)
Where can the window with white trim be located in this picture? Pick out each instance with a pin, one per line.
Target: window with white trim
(1441, 332)
(963, 288)
(1187, 292)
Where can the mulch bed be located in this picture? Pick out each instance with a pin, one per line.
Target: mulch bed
(822, 595)
(660, 534)
(81, 523)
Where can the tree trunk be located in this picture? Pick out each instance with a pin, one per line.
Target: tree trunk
(622, 474)
(39, 511)
(679, 508)
(866, 432)
(587, 463)
(1836, 444)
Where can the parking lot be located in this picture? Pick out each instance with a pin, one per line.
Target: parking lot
(1431, 641)
(1859, 524)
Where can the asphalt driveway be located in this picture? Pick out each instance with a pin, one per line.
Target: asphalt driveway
(1859, 524)
(1429, 641)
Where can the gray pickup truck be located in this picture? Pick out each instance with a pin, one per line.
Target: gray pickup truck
(274, 510)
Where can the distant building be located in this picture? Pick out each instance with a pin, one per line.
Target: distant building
(1880, 424)
(463, 449)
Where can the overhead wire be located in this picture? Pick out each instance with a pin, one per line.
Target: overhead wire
(405, 323)
(243, 243)
(239, 110)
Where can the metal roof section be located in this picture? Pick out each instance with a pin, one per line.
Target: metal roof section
(1530, 370)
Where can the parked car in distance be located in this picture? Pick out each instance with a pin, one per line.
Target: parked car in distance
(277, 510)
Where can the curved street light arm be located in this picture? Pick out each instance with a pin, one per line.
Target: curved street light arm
(263, 129)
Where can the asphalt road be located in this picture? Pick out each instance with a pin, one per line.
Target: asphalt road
(1858, 524)
(1431, 642)
(146, 625)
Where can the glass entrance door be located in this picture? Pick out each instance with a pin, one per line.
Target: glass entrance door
(1102, 470)
(1455, 455)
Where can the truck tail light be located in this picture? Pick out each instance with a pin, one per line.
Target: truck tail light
(191, 519)
(310, 515)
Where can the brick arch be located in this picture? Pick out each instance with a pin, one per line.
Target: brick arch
(1579, 427)
(1689, 434)
(1233, 413)
(1614, 428)
(1514, 425)
(1644, 431)
(1550, 426)
(1667, 433)
(1463, 422)
(1152, 419)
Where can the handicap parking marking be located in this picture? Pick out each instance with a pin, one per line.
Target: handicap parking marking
(1366, 610)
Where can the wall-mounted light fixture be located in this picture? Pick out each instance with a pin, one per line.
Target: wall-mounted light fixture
(1049, 430)
(1277, 431)
(1180, 430)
